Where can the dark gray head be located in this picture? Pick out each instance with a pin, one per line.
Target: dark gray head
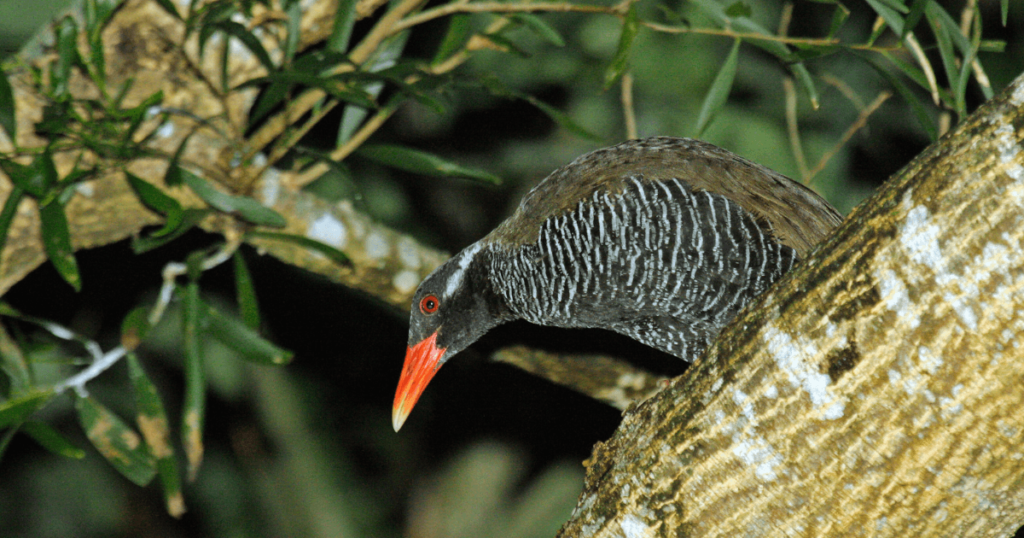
(451, 309)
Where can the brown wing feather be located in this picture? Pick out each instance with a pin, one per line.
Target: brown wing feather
(794, 214)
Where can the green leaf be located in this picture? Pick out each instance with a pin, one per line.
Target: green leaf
(243, 206)
(35, 178)
(839, 17)
(16, 410)
(739, 9)
(916, 11)
(194, 404)
(8, 120)
(919, 110)
(236, 30)
(152, 421)
(561, 118)
(891, 17)
(51, 439)
(291, 44)
(718, 93)
(153, 197)
(245, 293)
(116, 441)
(172, 178)
(460, 27)
(249, 345)
(541, 28)
(169, 7)
(135, 327)
(66, 35)
(1005, 9)
(803, 78)
(344, 20)
(330, 252)
(57, 241)
(189, 219)
(630, 28)
(9, 211)
(421, 162)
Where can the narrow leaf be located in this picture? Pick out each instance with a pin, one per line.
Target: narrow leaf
(153, 197)
(66, 35)
(561, 118)
(330, 252)
(839, 17)
(421, 162)
(51, 439)
(245, 207)
(116, 441)
(1005, 8)
(344, 21)
(249, 345)
(291, 44)
(135, 327)
(460, 27)
(803, 77)
(891, 17)
(630, 27)
(57, 241)
(541, 28)
(241, 33)
(152, 422)
(194, 404)
(719, 91)
(8, 120)
(245, 293)
(16, 410)
(189, 219)
(9, 211)
(168, 6)
(919, 110)
(916, 11)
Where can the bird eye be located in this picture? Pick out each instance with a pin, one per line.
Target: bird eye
(429, 304)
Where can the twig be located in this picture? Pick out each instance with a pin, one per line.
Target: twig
(857, 125)
(627, 106)
(926, 66)
(793, 129)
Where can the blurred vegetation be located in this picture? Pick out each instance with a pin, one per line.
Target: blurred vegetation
(307, 450)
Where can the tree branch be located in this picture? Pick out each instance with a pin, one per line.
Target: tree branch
(877, 388)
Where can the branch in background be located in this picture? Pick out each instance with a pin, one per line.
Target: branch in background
(603, 378)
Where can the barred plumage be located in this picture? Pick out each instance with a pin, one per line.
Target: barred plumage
(663, 240)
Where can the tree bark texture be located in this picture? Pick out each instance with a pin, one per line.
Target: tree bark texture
(877, 390)
(146, 44)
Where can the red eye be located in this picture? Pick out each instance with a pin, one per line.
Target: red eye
(429, 304)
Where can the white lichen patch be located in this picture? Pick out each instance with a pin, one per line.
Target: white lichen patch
(797, 359)
(376, 245)
(920, 236)
(894, 294)
(928, 361)
(166, 130)
(85, 189)
(408, 253)
(406, 281)
(270, 186)
(328, 229)
(755, 452)
(633, 527)
(771, 392)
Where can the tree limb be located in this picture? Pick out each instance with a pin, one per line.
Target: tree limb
(876, 390)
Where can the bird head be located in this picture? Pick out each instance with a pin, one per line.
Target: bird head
(451, 309)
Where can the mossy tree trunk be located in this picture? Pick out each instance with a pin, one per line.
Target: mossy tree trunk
(876, 391)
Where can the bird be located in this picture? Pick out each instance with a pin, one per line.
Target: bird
(660, 239)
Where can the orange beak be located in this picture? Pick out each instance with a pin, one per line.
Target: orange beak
(421, 363)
